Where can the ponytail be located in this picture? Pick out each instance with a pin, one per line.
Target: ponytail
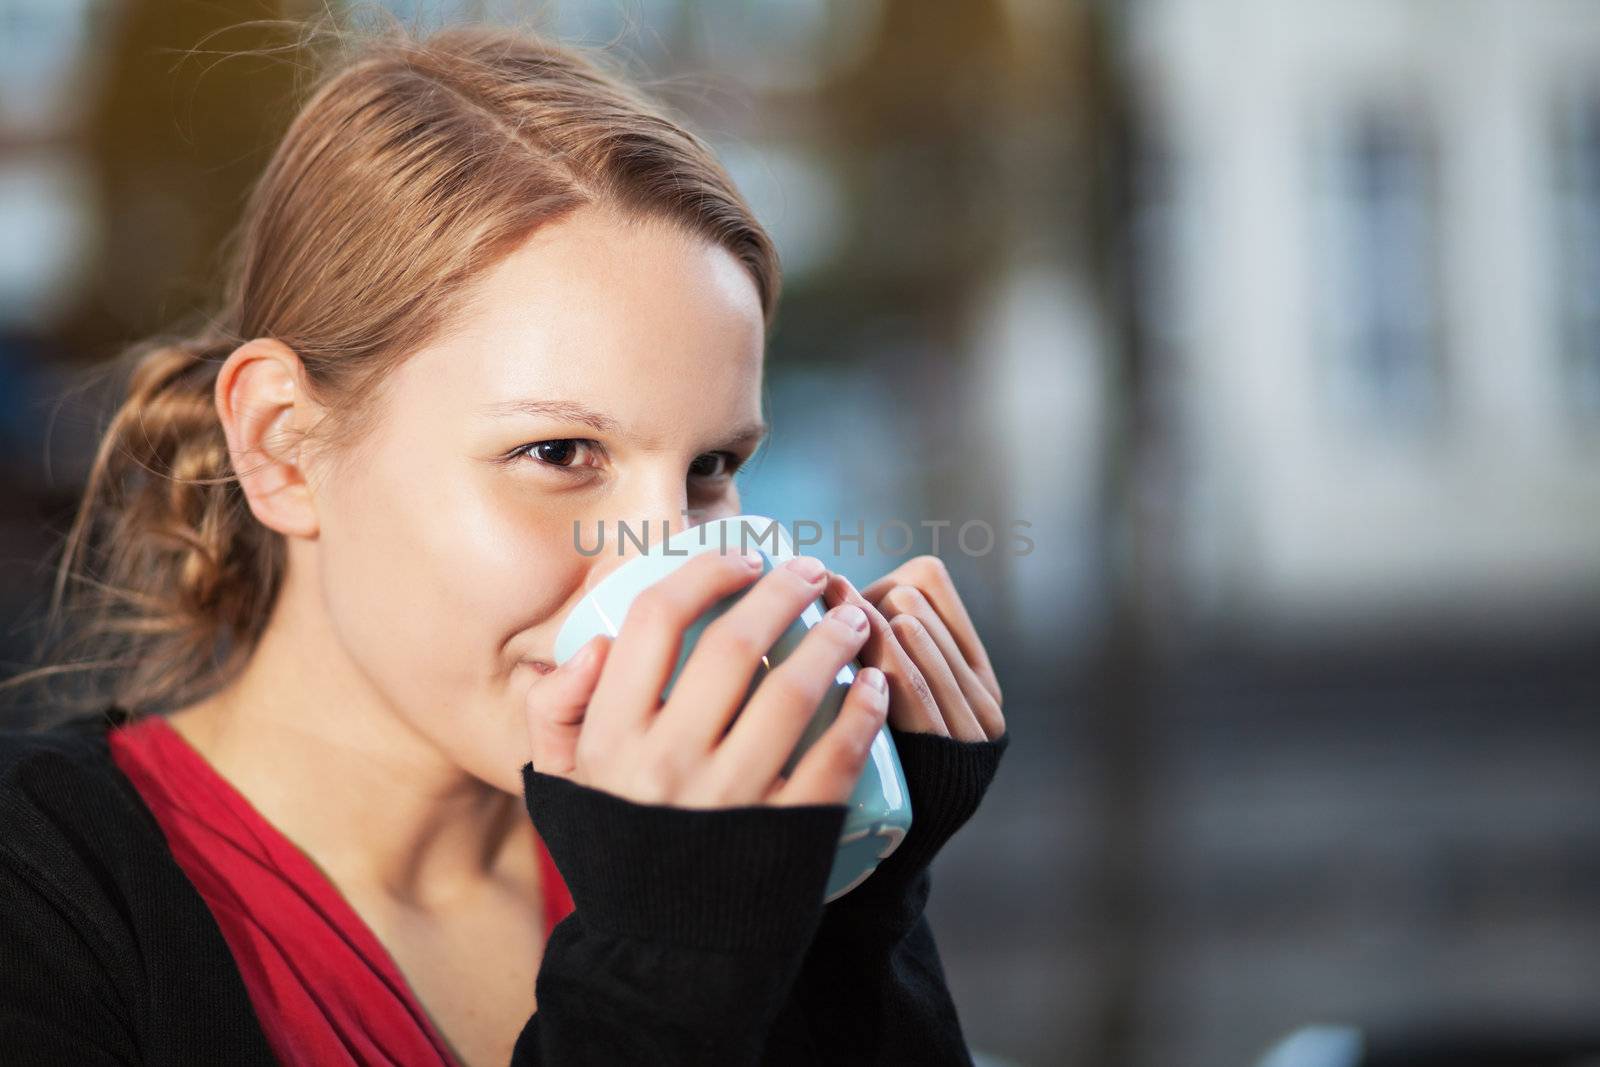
(165, 576)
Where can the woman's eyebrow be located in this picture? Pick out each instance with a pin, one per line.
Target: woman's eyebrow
(749, 435)
(567, 410)
(571, 411)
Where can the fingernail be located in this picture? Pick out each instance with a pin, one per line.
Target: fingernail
(873, 678)
(851, 616)
(751, 559)
(808, 567)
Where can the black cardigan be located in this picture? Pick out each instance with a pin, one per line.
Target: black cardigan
(700, 936)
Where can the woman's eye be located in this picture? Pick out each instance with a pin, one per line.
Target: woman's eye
(566, 453)
(714, 465)
(559, 452)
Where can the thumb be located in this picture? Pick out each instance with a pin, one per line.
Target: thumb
(556, 705)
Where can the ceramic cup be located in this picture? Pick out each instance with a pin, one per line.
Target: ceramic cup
(879, 809)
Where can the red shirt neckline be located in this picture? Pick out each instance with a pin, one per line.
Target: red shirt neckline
(324, 986)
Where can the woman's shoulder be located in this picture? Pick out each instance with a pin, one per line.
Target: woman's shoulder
(74, 747)
(63, 801)
(108, 955)
(76, 848)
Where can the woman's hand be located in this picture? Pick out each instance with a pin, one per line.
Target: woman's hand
(940, 677)
(598, 719)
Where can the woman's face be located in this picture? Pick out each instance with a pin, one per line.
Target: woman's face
(605, 371)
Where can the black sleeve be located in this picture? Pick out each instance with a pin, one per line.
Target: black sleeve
(871, 989)
(689, 927)
(58, 1008)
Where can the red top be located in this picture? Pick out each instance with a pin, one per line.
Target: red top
(325, 989)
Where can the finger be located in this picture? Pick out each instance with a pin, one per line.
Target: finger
(881, 645)
(556, 706)
(912, 706)
(718, 674)
(929, 574)
(958, 716)
(785, 702)
(830, 768)
(910, 600)
(651, 634)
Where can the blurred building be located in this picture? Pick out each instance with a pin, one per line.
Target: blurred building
(1372, 232)
(1365, 278)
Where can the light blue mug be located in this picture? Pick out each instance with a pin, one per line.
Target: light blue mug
(880, 808)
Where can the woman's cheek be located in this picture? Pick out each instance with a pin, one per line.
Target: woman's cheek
(504, 558)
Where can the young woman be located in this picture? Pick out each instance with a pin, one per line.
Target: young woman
(341, 809)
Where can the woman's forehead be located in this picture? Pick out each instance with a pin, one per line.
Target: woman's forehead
(610, 297)
(591, 278)
(621, 319)
(605, 377)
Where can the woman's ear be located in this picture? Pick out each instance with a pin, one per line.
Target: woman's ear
(265, 412)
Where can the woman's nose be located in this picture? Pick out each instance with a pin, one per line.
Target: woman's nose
(624, 538)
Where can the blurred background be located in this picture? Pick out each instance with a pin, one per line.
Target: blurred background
(1279, 322)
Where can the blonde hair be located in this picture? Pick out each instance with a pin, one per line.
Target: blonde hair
(416, 163)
